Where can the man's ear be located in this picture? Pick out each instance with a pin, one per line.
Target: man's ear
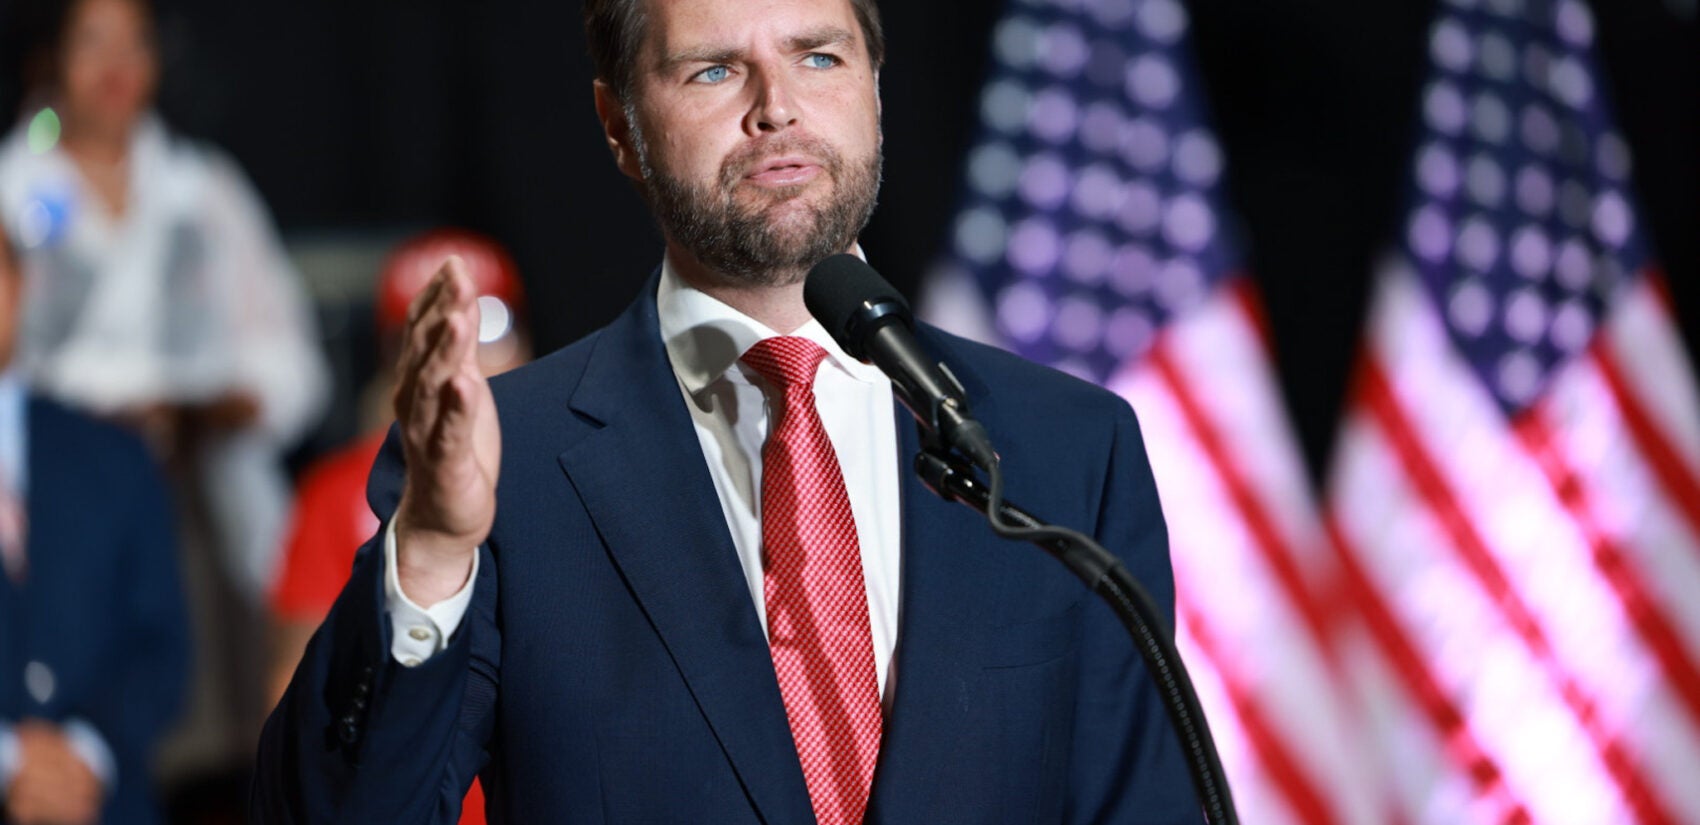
(617, 130)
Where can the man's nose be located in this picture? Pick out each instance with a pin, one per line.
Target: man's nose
(775, 104)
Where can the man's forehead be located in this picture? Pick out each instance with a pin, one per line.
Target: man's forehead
(676, 25)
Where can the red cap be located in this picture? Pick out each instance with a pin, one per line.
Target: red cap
(410, 267)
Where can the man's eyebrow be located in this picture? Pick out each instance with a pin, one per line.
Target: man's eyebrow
(827, 35)
(815, 38)
(702, 54)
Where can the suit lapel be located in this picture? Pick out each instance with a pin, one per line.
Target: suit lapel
(949, 586)
(646, 485)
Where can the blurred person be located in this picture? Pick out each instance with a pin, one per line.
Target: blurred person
(331, 517)
(93, 636)
(161, 298)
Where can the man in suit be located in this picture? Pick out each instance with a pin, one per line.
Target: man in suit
(93, 636)
(705, 589)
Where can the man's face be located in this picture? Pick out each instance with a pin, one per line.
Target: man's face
(754, 129)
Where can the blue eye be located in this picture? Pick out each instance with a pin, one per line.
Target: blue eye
(821, 61)
(713, 74)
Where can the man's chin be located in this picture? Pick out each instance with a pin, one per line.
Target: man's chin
(794, 216)
(753, 198)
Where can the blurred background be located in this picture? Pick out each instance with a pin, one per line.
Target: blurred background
(361, 124)
(360, 120)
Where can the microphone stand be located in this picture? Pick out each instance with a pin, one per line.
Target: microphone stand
(1103, 574)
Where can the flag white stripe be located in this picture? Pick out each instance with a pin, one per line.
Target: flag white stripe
(1424, 783)
(1540, 545)
(1630, 500)
(1256, 626)
(1512, 706)
(1659, 726)
(1510, 502)
(1227, 369)
(1652, 359)
(1256, 799)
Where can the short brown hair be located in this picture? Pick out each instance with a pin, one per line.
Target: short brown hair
(614, 28)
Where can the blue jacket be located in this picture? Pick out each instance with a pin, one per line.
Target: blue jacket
(101, 608)
(611, 668)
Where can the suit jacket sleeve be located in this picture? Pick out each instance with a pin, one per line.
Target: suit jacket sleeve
(148, 692)
(1128, 766)
(358, 737)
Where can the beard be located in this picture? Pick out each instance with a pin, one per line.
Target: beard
(772, 237)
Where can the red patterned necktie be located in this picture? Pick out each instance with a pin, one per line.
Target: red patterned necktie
(817, 604)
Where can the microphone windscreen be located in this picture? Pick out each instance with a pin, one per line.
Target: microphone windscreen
(846, 296)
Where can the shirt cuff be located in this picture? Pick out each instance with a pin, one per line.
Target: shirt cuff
(418, 633)
(9, 756)
(91, 747)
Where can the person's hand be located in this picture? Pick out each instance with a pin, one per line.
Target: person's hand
(158, 423)
(449, 434)
(234, 410)
(53, 785)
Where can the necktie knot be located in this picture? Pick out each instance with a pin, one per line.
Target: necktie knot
(787, 362)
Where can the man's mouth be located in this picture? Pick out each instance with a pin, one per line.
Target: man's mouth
(787, 170)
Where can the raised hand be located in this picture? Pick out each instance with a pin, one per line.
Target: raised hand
(450, 437)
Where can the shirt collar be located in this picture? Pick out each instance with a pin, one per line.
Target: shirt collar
(705, 336)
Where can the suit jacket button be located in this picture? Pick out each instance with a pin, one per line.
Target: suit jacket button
(348, 730)
(39, 681)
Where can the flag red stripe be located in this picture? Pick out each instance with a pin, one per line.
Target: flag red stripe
(1644, 612)
(1425, 476)
(1454, 729)
(1682, 489)
(1306, 800)
(1245, 296)
(1250, 508)
(1654, 277)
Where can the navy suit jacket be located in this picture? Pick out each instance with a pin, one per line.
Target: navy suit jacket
(101, 609)
(611, 668)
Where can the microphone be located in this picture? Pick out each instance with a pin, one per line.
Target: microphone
(872, 322)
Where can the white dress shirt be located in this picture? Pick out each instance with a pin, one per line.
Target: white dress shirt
(704, 339)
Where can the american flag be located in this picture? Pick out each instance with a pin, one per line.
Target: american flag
(1093, 238)
(1515, 501)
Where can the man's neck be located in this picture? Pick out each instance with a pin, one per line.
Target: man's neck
(779, 308)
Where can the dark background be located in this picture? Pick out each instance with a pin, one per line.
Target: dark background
(359, 116)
